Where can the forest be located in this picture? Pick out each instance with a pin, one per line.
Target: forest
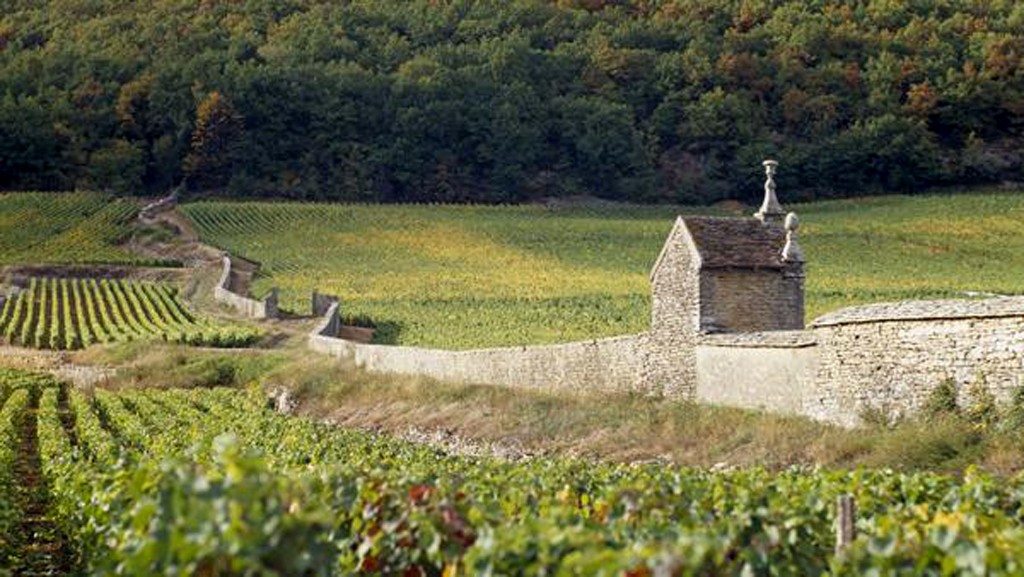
(496, 101)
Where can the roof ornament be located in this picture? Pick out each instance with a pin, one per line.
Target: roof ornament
(771, 210)
(792, 251)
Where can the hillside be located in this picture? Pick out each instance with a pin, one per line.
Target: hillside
(496, 101)
(467, 277)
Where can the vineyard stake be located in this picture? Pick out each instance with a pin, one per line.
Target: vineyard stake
(846, 515)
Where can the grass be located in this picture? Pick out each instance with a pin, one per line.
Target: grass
(628, 428)
(469, 276)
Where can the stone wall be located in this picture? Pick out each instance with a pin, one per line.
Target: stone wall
(256, 309)
(599, 365)
(889, 358)
(330, 324)
(886, 358)
(321, 303)
(724, 335)
(751, 300)
(670, 365)
(771, 371)
(161, 205)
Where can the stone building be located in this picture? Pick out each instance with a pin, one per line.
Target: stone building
(723, 275)
(727, 328)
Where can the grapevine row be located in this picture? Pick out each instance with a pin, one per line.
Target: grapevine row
(78, 227)
(255, 492)
(71, 313)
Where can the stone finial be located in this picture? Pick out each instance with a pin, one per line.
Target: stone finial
(792, 251)
(771, 210)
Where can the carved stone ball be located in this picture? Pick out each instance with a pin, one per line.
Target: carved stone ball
(792, 222)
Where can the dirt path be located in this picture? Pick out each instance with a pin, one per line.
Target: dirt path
(43, 550)
(184, 246)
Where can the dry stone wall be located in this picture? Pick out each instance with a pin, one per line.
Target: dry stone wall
(882, 357)
(256, 309)
(321, 303)
(720, 333)
(599, 365)
(889, 358)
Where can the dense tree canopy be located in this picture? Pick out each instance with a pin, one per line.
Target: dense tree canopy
(510, 100)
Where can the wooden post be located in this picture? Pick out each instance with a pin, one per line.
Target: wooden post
(846, 517)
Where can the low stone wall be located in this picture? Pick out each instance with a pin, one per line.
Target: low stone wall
(264, 309)
(880, 358)
(320, 304)
(605, 364)
(161, 205)
(329, 326)
(771, 371)
(889, 358)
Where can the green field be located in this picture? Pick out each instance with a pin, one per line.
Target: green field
(471, 276)
(72, 313)
(209, 482)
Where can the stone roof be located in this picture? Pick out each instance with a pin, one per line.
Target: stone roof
(737, 242)
(924, 310)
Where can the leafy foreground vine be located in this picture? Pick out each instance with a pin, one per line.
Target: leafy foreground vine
(210, 482)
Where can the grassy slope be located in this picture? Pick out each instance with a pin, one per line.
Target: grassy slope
(609, 427)
(465, 277)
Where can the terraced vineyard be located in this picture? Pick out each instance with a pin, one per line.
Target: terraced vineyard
(209, 482)
(471, 276)
(67, 228)
(72, 313)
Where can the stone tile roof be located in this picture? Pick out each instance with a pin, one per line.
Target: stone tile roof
(924, 310)
(736, 242)
(766, 339)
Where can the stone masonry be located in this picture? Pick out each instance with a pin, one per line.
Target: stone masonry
(727, 327)
(888, 358)
(225, 292)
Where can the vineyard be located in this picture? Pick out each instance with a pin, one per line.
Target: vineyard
(451, 276)
(473, 276)
(67, 228)
(72, 313)
(210, 482)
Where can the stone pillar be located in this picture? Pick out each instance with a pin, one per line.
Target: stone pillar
(793, 257)
(771, 211)
(270, 307)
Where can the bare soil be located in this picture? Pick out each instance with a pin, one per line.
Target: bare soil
(43, 549)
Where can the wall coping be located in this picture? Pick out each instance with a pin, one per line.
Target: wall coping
(934, 310)
(759, 340)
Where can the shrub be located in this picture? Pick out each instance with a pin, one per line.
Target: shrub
(942, 400)
(981, 404)
(1013, 419)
